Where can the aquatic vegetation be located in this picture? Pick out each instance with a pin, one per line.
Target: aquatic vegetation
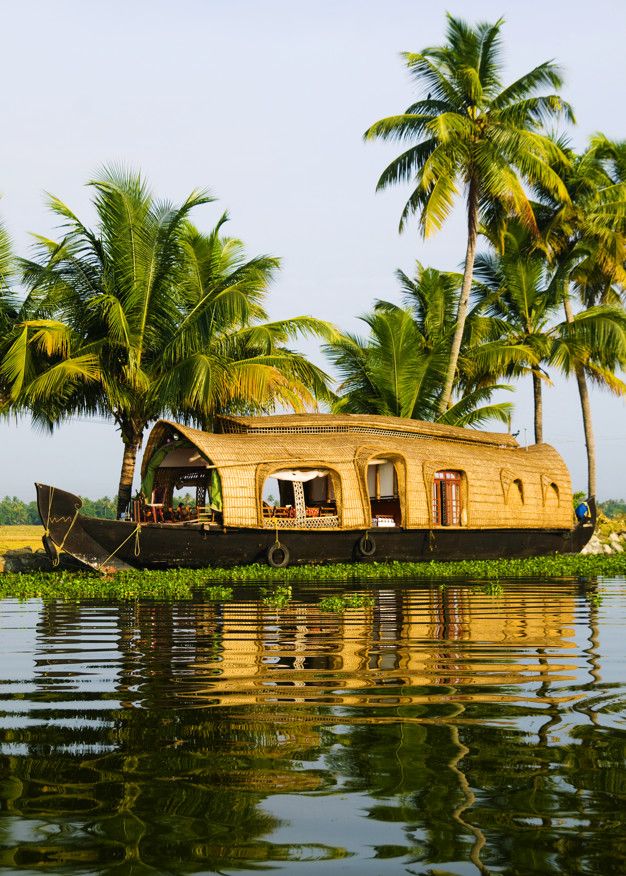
(493, 588)
(215, 584)
(345, 601)
(276, 597)
(218, 593)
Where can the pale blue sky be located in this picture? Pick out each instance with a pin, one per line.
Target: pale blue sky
(266, 103)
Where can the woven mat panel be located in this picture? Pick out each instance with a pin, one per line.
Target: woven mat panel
(245, 459)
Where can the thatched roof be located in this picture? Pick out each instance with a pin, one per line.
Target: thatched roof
(344, 446)
(315, 424)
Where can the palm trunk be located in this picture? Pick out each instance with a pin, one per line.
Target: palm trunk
(538, 400)
(466, 288)
(127, 474)
(585, 406)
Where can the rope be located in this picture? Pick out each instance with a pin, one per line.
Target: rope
(276, 541)
(49, 518)
(137, 550)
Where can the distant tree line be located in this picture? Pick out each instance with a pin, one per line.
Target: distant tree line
(15, 512)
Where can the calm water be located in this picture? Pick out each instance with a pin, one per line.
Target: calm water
(442, 730)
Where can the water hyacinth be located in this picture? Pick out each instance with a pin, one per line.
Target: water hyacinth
(213, 584)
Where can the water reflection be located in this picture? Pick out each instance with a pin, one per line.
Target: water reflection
(451, 730)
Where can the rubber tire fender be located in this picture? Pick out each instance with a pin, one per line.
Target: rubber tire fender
(277, 555)
(366, 546)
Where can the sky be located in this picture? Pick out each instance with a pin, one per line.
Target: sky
(266, 103)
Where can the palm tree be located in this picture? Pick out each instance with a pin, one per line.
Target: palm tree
(469, 131)
(8, 305)
(399, 369)
(585, 238)
(515, 292)
(170, 318)
(521, 294)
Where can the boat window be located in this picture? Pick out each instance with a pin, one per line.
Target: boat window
(447, 498)
(301, 498)
(382, 488)
(552, 496)
(515, 495)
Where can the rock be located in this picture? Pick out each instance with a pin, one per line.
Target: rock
(607, 549)
(26, 560)
(593, 546)
(618, 549)
(614, 538)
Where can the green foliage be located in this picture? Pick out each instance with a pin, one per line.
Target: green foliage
(613, 508)
(399, 370)
(277, 596)
(145, 316)
(15, 512)
(277, 583)
(493, 588)
(341, 603)
(468, 132)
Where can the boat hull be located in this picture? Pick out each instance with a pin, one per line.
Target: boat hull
(114, 545)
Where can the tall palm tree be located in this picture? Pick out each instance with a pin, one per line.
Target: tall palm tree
(470, 132)
(399, 369)
(170, 318)
(521, 294)
(585, 238)
(515, 293)
(8, 305)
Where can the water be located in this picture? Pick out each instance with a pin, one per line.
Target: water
(441, 730)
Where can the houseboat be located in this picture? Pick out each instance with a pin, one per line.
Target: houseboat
(319, 488)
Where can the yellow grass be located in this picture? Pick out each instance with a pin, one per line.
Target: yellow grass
(13, 537)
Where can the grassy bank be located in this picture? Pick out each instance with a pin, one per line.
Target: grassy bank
(15, 537)
(214, 583)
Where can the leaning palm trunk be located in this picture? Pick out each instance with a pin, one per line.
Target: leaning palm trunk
(466, 288)
(585, 406)
(126, 477)
(538, 406)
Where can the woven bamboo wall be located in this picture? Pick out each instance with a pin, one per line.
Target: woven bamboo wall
(503, 486)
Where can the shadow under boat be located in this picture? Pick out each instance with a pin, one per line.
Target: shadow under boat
(111, 546)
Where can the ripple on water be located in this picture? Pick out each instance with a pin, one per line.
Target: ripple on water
(457, 728)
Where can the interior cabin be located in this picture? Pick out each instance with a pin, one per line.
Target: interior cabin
(324, 471)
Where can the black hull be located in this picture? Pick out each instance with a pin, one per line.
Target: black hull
(114, 545)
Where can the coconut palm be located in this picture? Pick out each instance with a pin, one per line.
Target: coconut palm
(30, 343)
(468, 131)
(171, 318)
(585, 239)
(398, 370)
(8, 305)
(515, 292)
(522, 294)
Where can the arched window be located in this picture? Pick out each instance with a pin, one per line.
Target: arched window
(384, 493)
(515, 495)
(300, 498)
(552, 496)
(447, 498)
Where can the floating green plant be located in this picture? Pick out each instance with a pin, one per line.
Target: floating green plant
(277, 597)
(345, 601)
(187, 583)
(493, 588)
